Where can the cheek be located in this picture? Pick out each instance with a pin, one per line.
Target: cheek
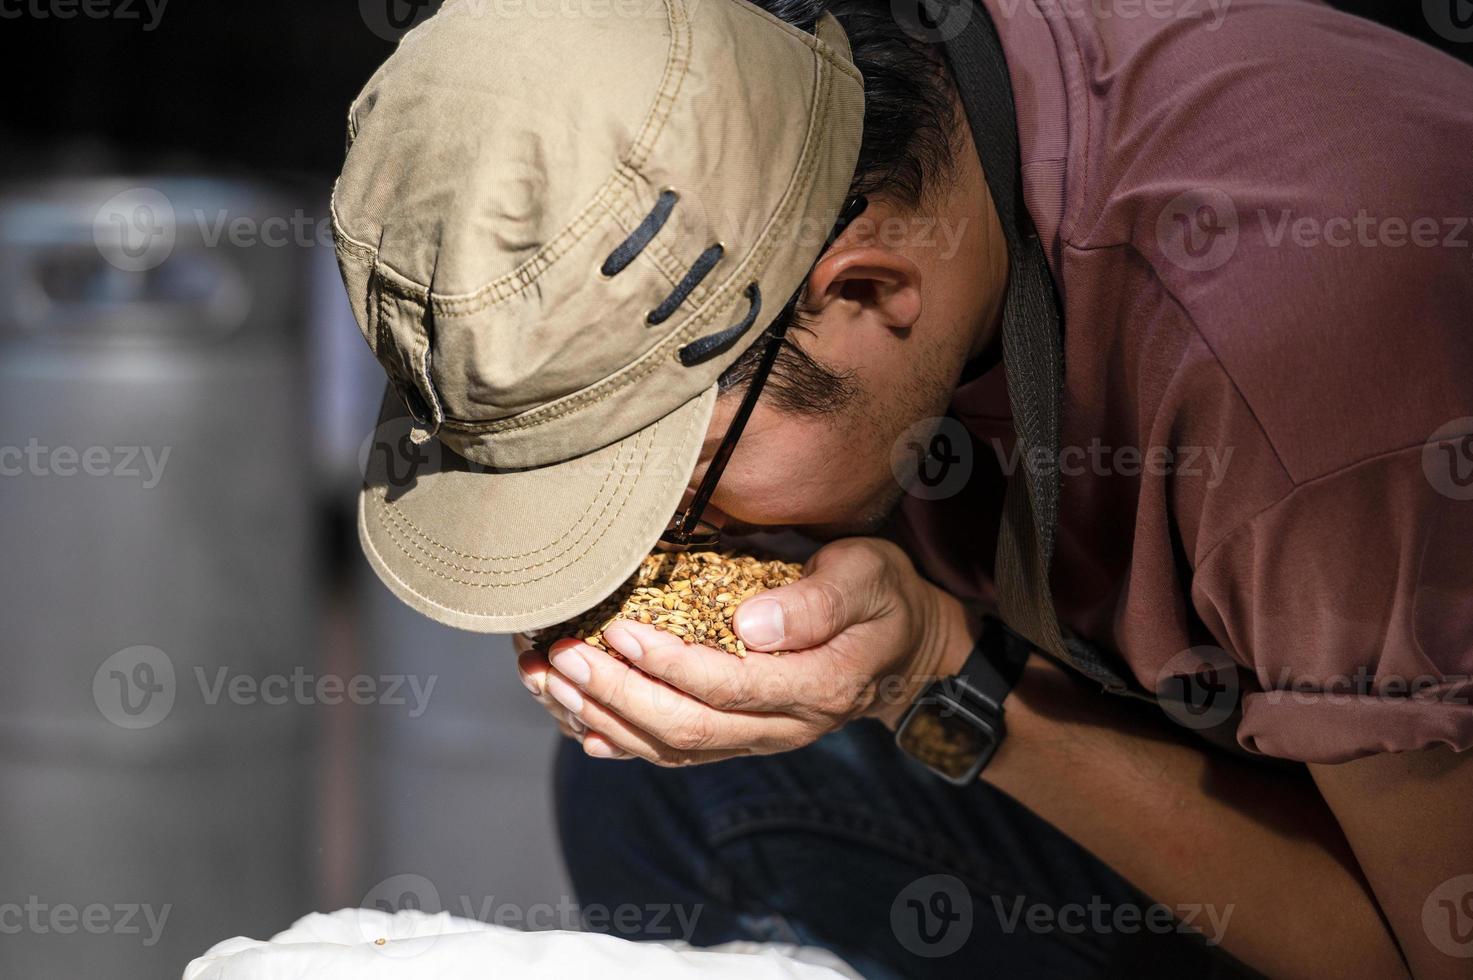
(803, 472)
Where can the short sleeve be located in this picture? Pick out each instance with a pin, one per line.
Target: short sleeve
(1351, 602)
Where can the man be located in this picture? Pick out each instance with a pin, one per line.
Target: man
(1190, 286)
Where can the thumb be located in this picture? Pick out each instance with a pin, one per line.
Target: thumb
(834, 595)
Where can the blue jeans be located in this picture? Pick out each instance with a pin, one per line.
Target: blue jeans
(850, 845)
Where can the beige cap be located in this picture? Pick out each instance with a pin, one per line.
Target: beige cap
(558, 223)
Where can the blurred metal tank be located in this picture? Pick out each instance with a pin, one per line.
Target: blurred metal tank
(157, 534)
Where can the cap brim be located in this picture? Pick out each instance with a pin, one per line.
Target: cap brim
(507, 551)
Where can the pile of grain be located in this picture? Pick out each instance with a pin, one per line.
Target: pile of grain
(692, 594)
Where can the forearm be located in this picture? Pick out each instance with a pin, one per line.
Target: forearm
(1192, 827)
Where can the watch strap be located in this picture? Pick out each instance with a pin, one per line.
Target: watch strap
(993, 667)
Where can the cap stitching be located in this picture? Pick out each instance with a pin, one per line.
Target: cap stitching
(755, 261)
(390, 511)
(483, 585)
(818, 44)
(521, 278)
(526, 554)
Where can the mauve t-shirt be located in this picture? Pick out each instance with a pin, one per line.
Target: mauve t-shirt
(1257, 215)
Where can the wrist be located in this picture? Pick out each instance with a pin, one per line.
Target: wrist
(949, 630)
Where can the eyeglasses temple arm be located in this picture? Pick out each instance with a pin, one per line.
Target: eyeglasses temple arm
(691, 517)
(692, 514)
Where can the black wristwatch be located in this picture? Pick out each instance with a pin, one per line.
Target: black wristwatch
(955, 725)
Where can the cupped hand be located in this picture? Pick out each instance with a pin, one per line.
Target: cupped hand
(862, 634)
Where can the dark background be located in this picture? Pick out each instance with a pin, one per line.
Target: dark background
(260, 87)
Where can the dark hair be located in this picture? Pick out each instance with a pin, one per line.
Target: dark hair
(910, 133)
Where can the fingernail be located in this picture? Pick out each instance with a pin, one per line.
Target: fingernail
(564, 693)
(623, 641)
(576, 725)
(600, 750)
(530, 683)
(760, 622)
(573, 666)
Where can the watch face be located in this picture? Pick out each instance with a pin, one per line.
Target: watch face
(947, 738)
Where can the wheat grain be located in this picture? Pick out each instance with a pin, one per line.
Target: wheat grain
(690, 594)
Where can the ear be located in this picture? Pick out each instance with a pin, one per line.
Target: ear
(879, 282)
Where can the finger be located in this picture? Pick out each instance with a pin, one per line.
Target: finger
(605, 728)
(591, 683)
(844, 584)
(593, 743)
(757, 683)
(532, 668)
(599, 747)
